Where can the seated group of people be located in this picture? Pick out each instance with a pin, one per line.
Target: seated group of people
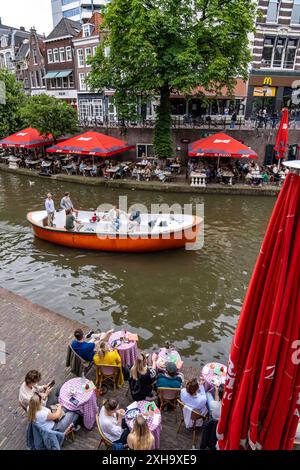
(144, 382)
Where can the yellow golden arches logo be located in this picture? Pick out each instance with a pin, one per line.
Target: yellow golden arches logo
(268, 81)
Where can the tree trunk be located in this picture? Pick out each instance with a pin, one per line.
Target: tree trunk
(162, 132)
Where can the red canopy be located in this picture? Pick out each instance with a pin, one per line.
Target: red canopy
(91, 143)
(261, 401)
(220, 145)
(282, 135)
(27, 138)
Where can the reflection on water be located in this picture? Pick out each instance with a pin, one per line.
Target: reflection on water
(191, 298)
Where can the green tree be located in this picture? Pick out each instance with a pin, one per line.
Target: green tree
(50, 115)
(11, 99)
(157, 47)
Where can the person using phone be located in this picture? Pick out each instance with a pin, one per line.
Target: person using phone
(112, 422)
(49, 420)
(31, 385)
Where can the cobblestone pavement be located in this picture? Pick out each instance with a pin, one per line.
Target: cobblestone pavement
(36, 338)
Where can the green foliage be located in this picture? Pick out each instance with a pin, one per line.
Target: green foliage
(50, 115)
(174, 45)
(10, 117)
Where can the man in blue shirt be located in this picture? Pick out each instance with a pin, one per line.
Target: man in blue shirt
(86, 349)
(171, 379)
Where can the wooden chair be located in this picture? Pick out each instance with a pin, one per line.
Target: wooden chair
(195, 416)
(107, 443)
(85, 365)
(168, 396)
(107, 373)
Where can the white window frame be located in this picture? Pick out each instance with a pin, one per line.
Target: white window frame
(80, 58)
(86, 30)
(82, 84)
(50, 55)
(87, 56)
(94, 50)
(278, 2)
(69, 56)
(62, 54)
(296, 8)
(144, 145)
(84, 109)
(56, 55)
(97, 103)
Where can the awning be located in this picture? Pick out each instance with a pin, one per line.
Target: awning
(220, 145)
(50, 75)
(27, 138)
(64, 73)
(92, 144)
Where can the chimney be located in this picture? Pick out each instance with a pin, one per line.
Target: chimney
(22, 28)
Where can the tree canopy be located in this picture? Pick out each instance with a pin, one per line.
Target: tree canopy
(158, 47)
(50, 116)
(12, 99)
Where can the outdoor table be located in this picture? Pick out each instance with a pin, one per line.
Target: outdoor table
(168, 355)
(13, 162)
(128, 351)
(142, 164)
(87, 400)
(112, 171)
(213, 375)
(256, 178)
(31, 162)
(198, 179)
(176, 167)
(228, 175)
(153, 418)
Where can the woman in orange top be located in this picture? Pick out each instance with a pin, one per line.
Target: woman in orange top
(105, 357)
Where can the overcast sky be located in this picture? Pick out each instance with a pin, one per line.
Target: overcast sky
(27, 13)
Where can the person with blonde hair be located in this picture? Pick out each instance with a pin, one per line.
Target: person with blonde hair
(51, 420)
(140, 438)
(142, 377)
(105, 357)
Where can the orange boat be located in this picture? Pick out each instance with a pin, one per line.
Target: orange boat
(153, 232)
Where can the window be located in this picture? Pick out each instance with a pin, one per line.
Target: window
(84, 109)
(32, 80)
(35, 57)
(72, 12)
(55, 55)
(37, 79)
(82, 84)
(52, 83)
(65, 82)
(268, 51)
(71, 80)
(62, 55)
(289, 59)
(144, 150)
(9, 63)
(86, 30)
(279, 52)
(58, 83)
(88, 53)
(272, 13)
(50, 56)
(80, 57)
(97, 108)
(106, 51)
(3, 41)
(95, 50)
(296, 12)
(66, 2)
(69, 54)
(43, 79)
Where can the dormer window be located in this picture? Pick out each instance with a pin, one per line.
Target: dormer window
(87, 30)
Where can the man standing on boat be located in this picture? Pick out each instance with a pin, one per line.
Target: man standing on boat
(66, 203)
(49, 206)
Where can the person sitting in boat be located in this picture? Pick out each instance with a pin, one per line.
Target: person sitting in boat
(86, 349)
(95, 218)
(66, 203)
(105, 357)
(71, 222)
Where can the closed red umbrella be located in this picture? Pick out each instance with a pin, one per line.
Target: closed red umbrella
(220, 145)
(282, 137)
(261, 402)
(27, 138)
(91, 144)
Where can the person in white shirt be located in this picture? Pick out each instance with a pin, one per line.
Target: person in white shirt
(51, 420)
(112, 422)
(194, 397)
(50, 208)
(66, 203)
(30, 386)
(214, 403)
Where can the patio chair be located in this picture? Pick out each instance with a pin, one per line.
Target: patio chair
(168, 396)
(107, 443)
(76, 363)
(195, 416)
(107, 374)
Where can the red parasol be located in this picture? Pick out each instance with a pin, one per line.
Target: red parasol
(282, 135)
(92, 144)
(27, 138)
(261, 402)
(220, 145)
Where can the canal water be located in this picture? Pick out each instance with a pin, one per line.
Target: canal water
(190, 298)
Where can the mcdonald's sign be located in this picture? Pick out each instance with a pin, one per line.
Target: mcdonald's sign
(268, 81)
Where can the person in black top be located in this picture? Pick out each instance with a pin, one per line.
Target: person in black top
(142, 378)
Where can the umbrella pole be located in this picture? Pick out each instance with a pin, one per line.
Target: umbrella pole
(218, 163)
(278, 166)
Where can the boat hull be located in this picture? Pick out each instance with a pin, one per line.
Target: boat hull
(119, 242)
